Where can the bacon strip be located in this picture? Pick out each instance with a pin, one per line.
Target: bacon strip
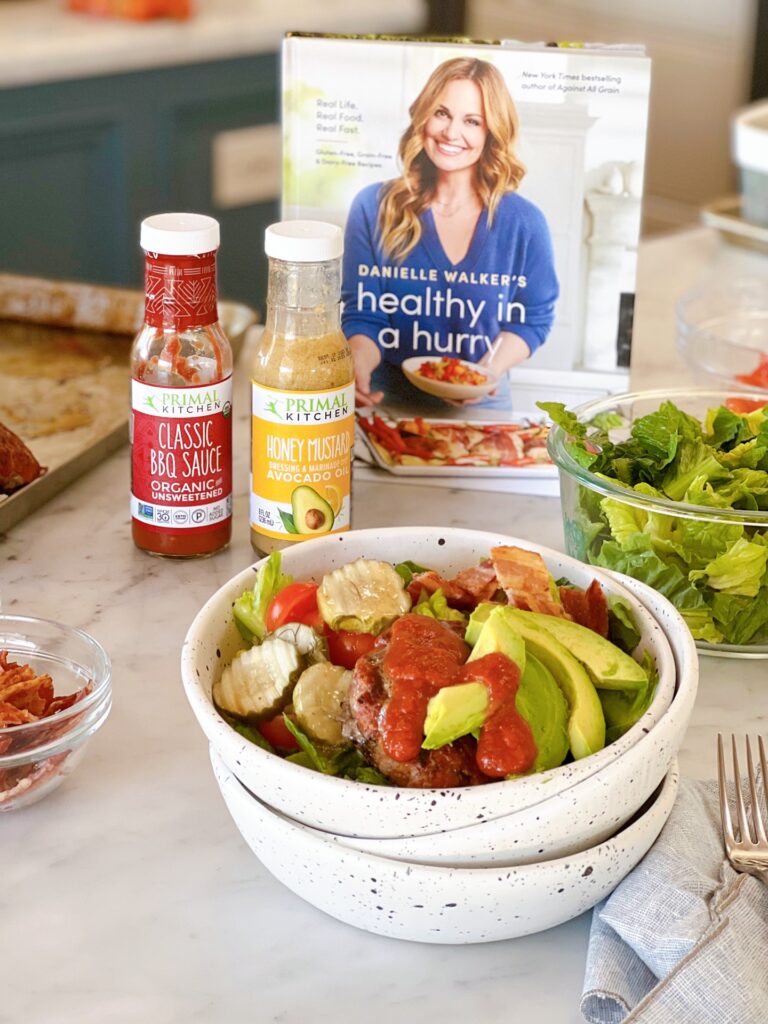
(455, 595)
(589, 608)
(525, 580)
(480, 582)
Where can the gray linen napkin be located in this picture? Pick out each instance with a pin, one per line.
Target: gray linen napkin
(684, 938)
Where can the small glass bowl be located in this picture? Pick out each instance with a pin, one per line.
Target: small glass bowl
(585, 523)
(722, 331)
(36, 757)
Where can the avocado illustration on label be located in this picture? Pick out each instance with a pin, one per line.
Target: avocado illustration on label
(311, 512)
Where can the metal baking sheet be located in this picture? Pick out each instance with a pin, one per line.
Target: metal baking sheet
(48, 319)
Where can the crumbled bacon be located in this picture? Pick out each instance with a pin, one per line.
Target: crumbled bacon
(589, 608)
(455, 595)
(480, 582)
(525, 580)
(26, 698)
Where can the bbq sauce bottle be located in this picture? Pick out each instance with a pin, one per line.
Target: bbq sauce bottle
(181, 395)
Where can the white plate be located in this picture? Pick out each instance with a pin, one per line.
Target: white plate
(444, 389)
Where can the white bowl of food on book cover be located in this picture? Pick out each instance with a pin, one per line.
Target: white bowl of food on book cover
(448, 377)
(343, 777)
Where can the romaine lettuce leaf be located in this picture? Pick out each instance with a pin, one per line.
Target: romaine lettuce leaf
(697, 542)
(746, 488)
(436, 607)
(346, 762)
(742, 620)
(250, 609)
(622, 629)
(739, 570)
(575, 432)
(624, 520)
(702, 492)
(723, 427)
(694, 461)
(407, 570)
(660, 433)
(639, 560)
(607, 421)
(568, 421)
(749, 455)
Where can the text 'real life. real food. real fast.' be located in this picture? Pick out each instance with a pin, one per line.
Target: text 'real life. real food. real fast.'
(181, 395)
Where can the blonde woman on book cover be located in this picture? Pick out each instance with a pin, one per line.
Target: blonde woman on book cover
(448, 259)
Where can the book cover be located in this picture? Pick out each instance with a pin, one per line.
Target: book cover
(490, 195)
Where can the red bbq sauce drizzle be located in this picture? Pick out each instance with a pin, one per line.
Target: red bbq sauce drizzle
(424, 656)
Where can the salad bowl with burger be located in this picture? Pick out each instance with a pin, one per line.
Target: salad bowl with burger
(404, 682)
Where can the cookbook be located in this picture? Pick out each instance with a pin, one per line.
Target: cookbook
(490, 195)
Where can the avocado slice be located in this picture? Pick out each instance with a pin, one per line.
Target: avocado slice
(586, 722)
(459, 710)
(454, 711)
(542, 704)
(539, 699)
(311, 513)
(478, 619)
(608, 666)
(496, 636)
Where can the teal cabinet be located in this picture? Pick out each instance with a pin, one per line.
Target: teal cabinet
(82, 162)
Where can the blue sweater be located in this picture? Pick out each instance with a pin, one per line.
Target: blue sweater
(427, 305)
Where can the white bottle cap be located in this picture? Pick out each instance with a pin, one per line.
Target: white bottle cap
(304, 241)
(179, 234)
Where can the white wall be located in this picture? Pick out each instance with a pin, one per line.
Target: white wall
(702, 58)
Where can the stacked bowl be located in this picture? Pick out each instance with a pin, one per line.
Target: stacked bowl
(457, 865)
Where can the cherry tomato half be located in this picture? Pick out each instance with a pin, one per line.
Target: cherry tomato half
(276, 732)
(344, 647)
(295, 603)
(744, 405)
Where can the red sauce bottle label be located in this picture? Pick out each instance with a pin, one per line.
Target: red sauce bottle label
(180, 291)
(182, 455)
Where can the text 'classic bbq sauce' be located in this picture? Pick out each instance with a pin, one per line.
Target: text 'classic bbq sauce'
(181, 395)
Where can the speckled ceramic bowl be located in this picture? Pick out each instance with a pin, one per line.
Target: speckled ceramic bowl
(589, 811)
(350, 808)
(439, 904)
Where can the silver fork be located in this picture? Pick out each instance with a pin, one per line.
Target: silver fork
(747, 845)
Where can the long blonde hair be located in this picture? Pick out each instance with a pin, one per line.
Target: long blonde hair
(497, 172)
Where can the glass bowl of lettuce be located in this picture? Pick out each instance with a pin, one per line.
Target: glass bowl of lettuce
(671, 488)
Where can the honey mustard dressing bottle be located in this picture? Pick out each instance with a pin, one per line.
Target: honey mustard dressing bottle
(303, 392)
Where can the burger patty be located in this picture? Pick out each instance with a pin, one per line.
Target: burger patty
(452, 765)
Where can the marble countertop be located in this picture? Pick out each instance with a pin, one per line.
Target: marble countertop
(128, 895)
(41, 41)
